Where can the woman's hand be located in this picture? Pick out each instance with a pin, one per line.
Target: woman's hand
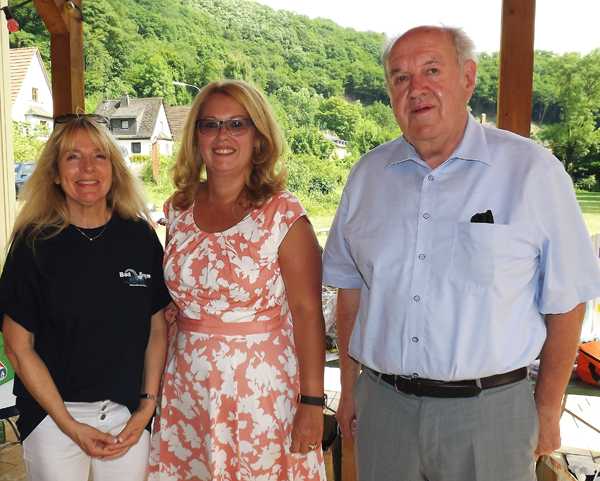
(94, 443)
(307, 431)
(131, 433)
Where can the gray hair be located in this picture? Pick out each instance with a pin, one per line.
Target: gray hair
(464, 46)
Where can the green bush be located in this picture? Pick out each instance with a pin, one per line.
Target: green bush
(139, 158)
(164, 175)
(311, 175)
(589, 184)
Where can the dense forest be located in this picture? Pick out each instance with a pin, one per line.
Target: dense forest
(318, 76)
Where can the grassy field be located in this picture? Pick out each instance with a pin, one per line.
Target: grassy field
(589, 202)
(590, 206)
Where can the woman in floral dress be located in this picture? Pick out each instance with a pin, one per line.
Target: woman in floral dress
(243, 385)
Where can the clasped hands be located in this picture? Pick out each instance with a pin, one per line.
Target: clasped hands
(101, 445)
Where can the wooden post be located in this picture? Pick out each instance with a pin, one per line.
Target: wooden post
(66, 53)
(348, 461)
(7, 170)
(516, 66)
(155, 159)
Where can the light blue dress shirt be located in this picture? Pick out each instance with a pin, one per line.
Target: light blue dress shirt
(442, 297)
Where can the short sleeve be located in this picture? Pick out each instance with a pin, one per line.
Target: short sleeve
(20, 287)
(284, 209)
(160, 294)
(169, 210)
(569, 268)
(339, 268)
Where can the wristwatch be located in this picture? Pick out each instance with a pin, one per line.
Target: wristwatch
(312, 400)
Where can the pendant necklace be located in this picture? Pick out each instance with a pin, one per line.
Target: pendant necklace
(91, 238)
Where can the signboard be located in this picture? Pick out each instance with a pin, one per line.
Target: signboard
(7, 375)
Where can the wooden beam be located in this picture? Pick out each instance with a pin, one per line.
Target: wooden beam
(66, 53)
(7, 171)
(516, 66)
(50, 12)
(77, 65)
(348, 461)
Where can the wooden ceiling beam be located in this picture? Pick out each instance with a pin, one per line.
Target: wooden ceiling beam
(51, 12)
(66, 53)
(516, 66)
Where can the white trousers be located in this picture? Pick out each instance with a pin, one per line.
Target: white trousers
(50, 455)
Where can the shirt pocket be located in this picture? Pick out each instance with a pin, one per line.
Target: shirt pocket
(475, 252)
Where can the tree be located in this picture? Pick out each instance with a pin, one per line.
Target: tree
(309, 140)
(576, 134)
(339, 116)
(27, 142)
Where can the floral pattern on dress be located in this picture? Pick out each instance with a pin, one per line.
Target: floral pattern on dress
(231, 378)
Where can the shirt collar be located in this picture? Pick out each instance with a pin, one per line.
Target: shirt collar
(473, 147)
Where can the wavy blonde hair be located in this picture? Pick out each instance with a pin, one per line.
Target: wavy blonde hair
(267, 175)
(44, 213)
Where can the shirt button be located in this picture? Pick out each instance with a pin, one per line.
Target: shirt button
(102, 417)
(422, 257)
(430, 178)
(415, 339)
(426, 215)
(416, 298)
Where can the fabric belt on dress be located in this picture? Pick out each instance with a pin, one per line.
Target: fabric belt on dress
(207, 325)
(449, 389)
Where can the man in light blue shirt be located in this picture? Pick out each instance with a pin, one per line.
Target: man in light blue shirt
(461, 256)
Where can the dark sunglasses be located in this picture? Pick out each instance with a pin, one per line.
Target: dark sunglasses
(95, 118)
(235, 127)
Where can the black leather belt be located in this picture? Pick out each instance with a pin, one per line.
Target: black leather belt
(432, 388)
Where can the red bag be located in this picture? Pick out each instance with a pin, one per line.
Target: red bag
(588, 362)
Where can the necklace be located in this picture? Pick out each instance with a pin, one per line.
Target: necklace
(91, 238)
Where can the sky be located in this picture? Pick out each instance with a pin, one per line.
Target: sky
(561, 26)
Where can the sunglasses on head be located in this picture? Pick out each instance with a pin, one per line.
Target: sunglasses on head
(95, 118)
(235, 127)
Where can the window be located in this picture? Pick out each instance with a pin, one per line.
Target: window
(136, 147)
(124, 124)
(34, 94)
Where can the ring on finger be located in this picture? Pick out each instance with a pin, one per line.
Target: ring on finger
(313, 446)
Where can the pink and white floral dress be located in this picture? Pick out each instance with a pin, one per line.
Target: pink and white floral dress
(231, 379)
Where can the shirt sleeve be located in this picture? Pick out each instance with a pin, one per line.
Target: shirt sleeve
(286, 209)
(20, 287)
(160, 294)
(569, 268)
(339, 268)
(168, 209)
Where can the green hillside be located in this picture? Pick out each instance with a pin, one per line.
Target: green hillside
(318, 75)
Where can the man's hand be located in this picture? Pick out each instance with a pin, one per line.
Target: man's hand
(549, 436)
(556, 365)
(346, 416)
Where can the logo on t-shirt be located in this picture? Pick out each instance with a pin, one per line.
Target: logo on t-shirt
(3, 372)
(133, 278)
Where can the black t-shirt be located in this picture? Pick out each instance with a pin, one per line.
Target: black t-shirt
(88, 304)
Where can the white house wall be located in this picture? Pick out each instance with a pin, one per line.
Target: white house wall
(34, 78)
(162, 129)
(165, 146)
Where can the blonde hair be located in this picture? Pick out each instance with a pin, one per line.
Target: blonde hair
(44, 213)
(265, 178)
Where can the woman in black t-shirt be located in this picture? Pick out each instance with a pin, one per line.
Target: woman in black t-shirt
(81, 299)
